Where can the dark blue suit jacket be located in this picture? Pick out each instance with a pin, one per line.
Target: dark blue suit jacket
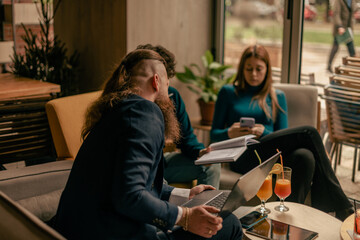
(115, 189)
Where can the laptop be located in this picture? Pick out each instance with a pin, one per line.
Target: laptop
(243, 190)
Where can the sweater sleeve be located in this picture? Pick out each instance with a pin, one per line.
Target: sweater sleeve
(188, 144)
(218, 130)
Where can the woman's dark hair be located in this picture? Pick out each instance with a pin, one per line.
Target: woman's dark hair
(165, 54)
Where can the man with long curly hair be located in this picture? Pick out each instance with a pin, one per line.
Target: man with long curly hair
(115, 189)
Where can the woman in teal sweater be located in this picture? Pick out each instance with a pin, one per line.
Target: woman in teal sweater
(231, 106)
(252, 95)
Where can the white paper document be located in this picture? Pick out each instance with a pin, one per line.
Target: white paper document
(226, 151)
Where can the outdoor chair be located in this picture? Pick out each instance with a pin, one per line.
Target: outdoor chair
(348, 71)
(345, 81)
(343, 117)
(351, 61)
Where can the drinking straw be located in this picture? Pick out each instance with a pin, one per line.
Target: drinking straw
(282, 165)
(354, 205)
(258, 156)
(355, 213)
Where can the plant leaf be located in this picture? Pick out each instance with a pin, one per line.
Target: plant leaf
(205, 61)
(197, 67)
(209, 57)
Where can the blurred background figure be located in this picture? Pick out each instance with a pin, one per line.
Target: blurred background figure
(343, 19)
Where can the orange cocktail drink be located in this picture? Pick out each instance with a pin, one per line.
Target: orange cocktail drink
(265, 190)
(356, 234)
(264, 194)
(283, 188)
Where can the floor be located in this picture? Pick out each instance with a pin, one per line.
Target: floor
(344, 172)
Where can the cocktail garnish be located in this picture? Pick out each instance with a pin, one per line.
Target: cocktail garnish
(276, 169)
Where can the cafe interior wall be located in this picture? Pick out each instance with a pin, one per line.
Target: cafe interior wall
(104, 31)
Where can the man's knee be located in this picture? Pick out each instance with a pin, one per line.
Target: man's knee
(213, 170)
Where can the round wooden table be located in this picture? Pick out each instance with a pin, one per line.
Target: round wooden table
(348, 224)
(301, 216)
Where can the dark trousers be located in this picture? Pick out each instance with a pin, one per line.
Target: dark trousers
(302, 150)
(335, 47)
(231, 230)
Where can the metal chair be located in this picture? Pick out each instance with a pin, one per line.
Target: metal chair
(343, 117)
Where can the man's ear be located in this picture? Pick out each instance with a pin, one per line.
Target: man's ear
(156, 82)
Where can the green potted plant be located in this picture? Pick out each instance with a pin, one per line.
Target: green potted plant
(206, 84)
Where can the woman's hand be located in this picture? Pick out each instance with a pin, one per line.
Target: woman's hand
(198, 189)
(236, 131)
(258, 130)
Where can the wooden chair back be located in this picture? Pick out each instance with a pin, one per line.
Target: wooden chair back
(343, 114)
(345, 81)
(347, 71)
(351, 61)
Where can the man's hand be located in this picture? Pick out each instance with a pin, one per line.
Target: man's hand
(236, 131)
(198, 189)
(202, 222)
(341, 30)
(258, 130)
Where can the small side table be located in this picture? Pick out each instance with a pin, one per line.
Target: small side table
(301, 216)
(348, 224)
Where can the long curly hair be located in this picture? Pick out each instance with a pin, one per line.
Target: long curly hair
(118, 87)
(259, 52)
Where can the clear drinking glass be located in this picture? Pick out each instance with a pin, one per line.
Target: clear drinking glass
(357, 225)
(283, 188)
(264, 194)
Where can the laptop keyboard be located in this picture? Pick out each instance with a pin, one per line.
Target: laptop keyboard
(219, 200)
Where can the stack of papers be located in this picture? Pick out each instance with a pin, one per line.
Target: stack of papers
(227, 151)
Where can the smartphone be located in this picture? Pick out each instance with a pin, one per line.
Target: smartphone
(251, 219)
(247, 122)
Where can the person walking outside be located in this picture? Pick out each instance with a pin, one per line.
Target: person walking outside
(343, 19)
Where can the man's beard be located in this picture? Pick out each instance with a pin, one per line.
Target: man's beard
(172, 127)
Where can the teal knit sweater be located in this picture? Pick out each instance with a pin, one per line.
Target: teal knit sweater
(230, 107)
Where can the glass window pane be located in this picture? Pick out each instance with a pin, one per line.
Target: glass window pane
(253, 21)
(318, 39)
